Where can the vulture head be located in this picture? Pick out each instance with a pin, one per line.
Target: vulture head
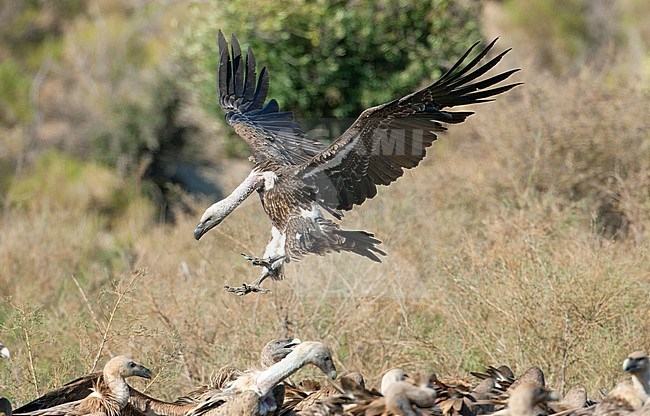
(277, 349)
(125, 367)
(318, 354)
(636, 363)
(4, 352)
(526, 396)
(211, 218)
(392, 376)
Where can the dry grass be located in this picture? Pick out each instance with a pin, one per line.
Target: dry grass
(498, 253)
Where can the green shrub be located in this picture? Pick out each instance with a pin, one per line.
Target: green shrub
(327, 59)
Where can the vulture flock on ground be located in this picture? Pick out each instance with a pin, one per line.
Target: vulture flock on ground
(269, 391)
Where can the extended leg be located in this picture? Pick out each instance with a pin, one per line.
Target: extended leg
(255, 287)
(272, 265)
(265, 262)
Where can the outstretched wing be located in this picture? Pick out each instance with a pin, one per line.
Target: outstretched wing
(389, 138)
(73, 391)
(272, 135)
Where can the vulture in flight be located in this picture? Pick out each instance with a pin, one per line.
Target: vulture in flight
(108, 398)
(305, 186)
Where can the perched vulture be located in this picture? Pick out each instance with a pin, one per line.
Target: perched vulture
(139, 403)
(4, 352)
(503, 376)
(390, 377)
(79, 388)
(354, 399)
(622, 400)
(257, 392)
(274, 351)
(108, 398)
(412, 398)
(534, 375)
(5, 407)
(628, 397)
(524, 399)
(638, 365)
(403, 395)
(299, 179)
(309, 392)
(574, 399)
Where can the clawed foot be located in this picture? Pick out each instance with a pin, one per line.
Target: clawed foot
(245, 289)
(268, 262)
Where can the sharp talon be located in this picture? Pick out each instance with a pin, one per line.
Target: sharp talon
(245, 289)
(268, 262)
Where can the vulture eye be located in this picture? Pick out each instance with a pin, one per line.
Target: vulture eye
(131, 364)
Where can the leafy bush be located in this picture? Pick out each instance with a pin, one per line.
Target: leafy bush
(329, 59)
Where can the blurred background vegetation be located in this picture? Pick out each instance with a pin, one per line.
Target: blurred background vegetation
(110, 133)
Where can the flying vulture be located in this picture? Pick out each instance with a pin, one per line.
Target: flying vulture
(306, 186)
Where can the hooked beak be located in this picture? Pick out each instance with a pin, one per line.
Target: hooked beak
(203, 228)
(629, 365)
(332, 374)
(143, 372)
(292, 343)
(199, 231)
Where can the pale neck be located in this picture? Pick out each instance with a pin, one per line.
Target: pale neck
(267, 379)
(241, 192)
(642, 383)
(119, 388)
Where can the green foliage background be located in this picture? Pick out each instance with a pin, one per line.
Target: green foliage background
(336, 58)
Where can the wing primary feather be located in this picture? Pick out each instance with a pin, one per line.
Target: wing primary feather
(452, 71)
(224, 67)
(251, 74)
(454, 76)
(260, 91)
(237, 69)
(479, 71)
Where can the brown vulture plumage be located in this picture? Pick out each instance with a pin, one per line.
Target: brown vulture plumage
(300, 179)
(107, 398)
(140, 402)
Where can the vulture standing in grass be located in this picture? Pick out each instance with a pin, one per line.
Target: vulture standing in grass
(108, 398)
(574, 399)
(412, 398)
(401, 395)
(257, 392)
(139, 402)
(274, 351)
(309, 392)
(525, 398)
(628, 397)
(299, 180)
(505, 383)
